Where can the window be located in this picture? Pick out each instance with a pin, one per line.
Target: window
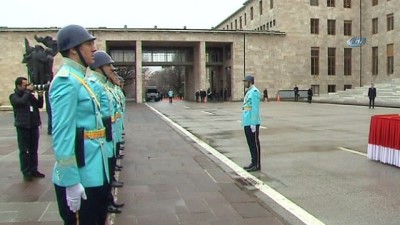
(347, 28)
(374, 2)
(314, 2)
(331, 27)
(251, 13)
(390, 59)
(390, 21)
(271, 4)
(347, 61)
(314, 26)
(231, 26)
(315, 61)
(123, 55)
(347, 3)
(330, 3)
(240, 23)
(331, 61)
(374, 25)
(267, 26)
(331, 88)
(375, 61)
(347, 86)
(260, 5)
(273, 22)
(245, 19)
(236, 24)
(315, 89)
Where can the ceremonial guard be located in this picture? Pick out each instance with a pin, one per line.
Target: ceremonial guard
(251, 122)
(117, 125)
(102, 69)
(80, 173)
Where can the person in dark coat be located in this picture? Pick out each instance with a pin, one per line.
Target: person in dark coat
(296, 93)
(27, 121)
(372, 96)
(309, 95)
(265, 92)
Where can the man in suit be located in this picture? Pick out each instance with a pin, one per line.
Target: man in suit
(371, 96)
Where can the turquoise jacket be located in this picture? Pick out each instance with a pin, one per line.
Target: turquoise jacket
(98, 83)
(123, 106)
(251, 107)
(117, 131)
(73, 107)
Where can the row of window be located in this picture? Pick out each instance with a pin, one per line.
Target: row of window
(375, 2)
(260, 7)
(389, 23)
(347, 25)
(347, 60)
(331, 88)
(315, 67)
(331, 27)
(346, 3)
(267, 26)
(331, 3)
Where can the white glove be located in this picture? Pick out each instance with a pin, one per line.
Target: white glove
(253, 128)
(74, 195)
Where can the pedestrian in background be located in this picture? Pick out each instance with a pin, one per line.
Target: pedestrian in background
(265, 94)
(27, 121)
(296, 93)
(251, 123)
(309, 95)
(372, 96)
(170, 95)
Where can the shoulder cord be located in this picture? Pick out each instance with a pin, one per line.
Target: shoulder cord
(88, 89)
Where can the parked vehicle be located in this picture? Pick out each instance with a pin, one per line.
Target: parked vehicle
(152, 94)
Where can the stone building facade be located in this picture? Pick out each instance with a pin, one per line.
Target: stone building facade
(282, 43)
(220, 58)
(306, 24)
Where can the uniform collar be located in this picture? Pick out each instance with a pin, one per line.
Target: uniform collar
(110, 84)
(75, 65)
(99, 76)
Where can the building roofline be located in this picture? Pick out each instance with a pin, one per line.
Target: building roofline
(55, 29)
(234, 13)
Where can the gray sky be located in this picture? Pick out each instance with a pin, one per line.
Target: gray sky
(194, 14)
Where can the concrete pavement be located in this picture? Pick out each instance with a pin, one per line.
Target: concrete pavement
(168, 180)
(313, 154)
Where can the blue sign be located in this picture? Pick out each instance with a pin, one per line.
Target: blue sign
(356, 42)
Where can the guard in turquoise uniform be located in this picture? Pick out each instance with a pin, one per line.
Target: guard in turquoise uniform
(80, 173)
(117, 131)
(102, 69)
(251, 122)
(119, 115)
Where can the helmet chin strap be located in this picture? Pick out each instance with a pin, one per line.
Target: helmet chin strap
(81, 57)
(104, 73)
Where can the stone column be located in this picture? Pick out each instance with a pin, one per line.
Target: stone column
(139, 75)
(200, 66)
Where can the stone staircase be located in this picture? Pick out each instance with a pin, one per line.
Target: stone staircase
(388, 95)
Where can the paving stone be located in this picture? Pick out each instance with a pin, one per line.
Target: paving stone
(251, 210)
(168, 181)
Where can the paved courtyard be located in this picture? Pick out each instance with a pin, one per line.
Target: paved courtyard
(306, 155)
(313, 154)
